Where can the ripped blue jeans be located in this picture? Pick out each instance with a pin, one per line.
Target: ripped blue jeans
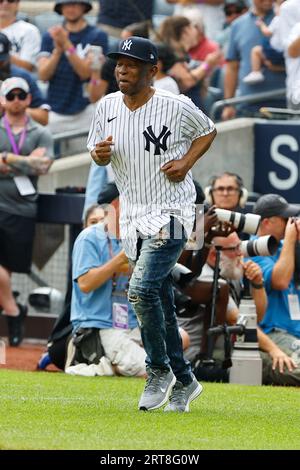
(151, 296)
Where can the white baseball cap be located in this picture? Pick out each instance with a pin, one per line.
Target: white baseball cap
(12, 83)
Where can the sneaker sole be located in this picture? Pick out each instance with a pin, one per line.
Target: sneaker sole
(166, 398)
(194, 395)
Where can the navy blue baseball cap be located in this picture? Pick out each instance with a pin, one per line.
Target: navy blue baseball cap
(136, 48)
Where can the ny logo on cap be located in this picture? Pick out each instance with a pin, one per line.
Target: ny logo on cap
(127, 45)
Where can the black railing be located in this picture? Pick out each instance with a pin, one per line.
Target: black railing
(255, 98)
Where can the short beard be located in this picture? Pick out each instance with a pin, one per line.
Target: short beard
(231, 269)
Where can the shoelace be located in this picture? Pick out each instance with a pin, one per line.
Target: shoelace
(153, 381)
(178, 393)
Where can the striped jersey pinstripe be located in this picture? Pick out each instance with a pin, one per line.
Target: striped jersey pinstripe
(147, 197)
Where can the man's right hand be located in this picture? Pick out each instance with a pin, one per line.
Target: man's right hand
(102, 152)
(123, 265)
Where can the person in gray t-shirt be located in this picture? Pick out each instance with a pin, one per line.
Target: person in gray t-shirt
(26, 151)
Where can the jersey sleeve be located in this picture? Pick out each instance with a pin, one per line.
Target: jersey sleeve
(31, 45)
(194, 123)
(96, 130)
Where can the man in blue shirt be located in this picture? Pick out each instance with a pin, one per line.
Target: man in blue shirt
(64, 62)
(282, 318)
(99, 299)
(245, 34)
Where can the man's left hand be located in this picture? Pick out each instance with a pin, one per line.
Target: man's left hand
(175, 170)
(282, 360)
(253, 272)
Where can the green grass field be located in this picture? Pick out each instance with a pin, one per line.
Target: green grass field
(54, 411)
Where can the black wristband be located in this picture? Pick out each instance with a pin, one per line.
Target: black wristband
(257, 286)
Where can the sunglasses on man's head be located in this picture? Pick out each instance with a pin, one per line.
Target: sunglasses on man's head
(22, 95)
(9, 1)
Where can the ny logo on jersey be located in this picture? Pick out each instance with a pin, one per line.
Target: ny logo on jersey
(127, 45)
(160, 142)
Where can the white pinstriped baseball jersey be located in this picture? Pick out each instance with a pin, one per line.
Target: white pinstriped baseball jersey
(161, 130)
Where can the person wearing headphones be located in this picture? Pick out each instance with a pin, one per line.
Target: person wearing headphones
(226, 191)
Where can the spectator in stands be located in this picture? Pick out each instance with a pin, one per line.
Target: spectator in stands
(265, 53)
(232, 9)
(166, 60)
(181, 35)
(245, 34)
(114, 17)
(226, 191)
(278, 367)
(38, 110)
(64, 63)
(281, 321)
(288, 16)
(26, 151)
(210, 10)
(204, 45)
(292, 61)
(24, 37)
(99, 300)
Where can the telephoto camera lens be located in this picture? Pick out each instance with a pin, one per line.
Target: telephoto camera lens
(262, 246)
(247, 223)
(181, 275)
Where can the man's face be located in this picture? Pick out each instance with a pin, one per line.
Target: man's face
(263, 6)
(226, 193)
(133, 75)
(73, 11)
(16, 101)
(275, 226)
(96, 216)
(8, 9)
(231, 256)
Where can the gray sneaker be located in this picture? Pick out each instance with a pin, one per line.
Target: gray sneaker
(157, 389)
(182, 396)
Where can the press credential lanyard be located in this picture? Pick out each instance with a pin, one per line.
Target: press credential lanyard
(23, 183)
(119, 307)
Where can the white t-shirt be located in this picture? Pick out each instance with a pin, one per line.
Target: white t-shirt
(167, 84)
(289, 15)
(25, 39)
(293, 69)
(161, 130)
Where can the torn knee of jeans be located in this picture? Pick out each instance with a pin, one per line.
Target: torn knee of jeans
(157, 243)
(133, 298)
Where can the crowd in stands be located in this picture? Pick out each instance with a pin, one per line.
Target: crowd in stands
(240, 47)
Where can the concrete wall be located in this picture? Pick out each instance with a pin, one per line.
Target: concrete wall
(232, 150)
(68, 171)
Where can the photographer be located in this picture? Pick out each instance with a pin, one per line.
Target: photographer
(281, 321)
(226, 191)
(232, 269)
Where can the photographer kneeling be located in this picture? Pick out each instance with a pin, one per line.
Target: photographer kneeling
(106, 332)
(281, 322)
(232, 270)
